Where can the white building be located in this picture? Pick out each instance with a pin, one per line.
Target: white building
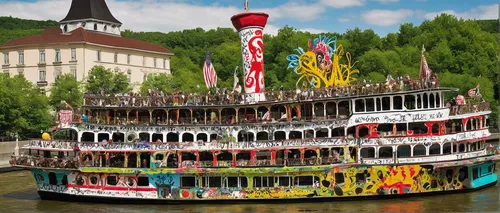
(88, 36)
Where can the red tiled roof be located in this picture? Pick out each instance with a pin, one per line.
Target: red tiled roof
(55, 36)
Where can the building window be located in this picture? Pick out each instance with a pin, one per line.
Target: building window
(20, 71)
(164, 63)
(105, 27)
(57, 73)
(73, 54)
(154, 62)
(116, 57)
(74, 73)
(6, 58)
(21, 58)
(58, 55)
(117, 69)
(128, 59)
(98, 55)
(95, 26)
(129, 73)
(42, 56)
(65, 28)
(41, 75)
(6, 73)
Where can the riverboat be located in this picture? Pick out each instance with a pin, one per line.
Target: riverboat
(333, 140)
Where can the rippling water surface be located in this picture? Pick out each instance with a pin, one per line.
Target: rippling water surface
(18, 194)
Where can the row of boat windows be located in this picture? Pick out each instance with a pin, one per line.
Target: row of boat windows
(387, 129)
(421, 150)
(480, 172)
(416, 101)
(112, 180)
(242, 181)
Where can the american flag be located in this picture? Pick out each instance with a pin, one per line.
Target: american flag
(209, 72)
(425, 72)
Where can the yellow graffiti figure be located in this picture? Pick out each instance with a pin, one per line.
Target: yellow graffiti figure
(320, 66)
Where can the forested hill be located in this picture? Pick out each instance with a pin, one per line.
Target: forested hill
(463, 53)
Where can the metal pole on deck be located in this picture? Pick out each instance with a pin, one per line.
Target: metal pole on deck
(16, 150)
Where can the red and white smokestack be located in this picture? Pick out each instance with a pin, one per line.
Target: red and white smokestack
(249, 26)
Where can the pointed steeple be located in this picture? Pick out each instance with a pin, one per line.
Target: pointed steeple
(91, 15)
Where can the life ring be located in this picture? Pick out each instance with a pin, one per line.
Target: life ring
(131, 137)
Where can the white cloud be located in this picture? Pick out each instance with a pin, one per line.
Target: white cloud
(343, 20)
(342, 3)
(174, 15)
(386, 17)
(480, 12)
(313, 30)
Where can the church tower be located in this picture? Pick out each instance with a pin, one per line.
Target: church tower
(91, 15)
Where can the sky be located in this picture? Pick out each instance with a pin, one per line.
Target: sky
(316, 16)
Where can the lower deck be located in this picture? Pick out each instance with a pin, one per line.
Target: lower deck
(320, 182)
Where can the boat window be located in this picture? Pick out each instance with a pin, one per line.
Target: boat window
(363, 132)
(435, 149)
(339, 177)
(212, 181)
(360, 105)
(130, 182)
(418, 128)
(432, 101)
(263, 181)
(370, 105)
(343, 108)
(93, 180)
(410, 102)
(475, 173)
(404, 151)
(240, 182)
(386, 103)
(447, 148)
(426, 101)
(379, 105)
(159, 157)
(419, 101)
(111, 180)
(368, 152)
(64, 180)
(360, 178)
(284, 181)
(385, 152)
(435, 129)
(142, 181)
(438, 100)
(79, 180)
(461, 147)
(398, 102)
(306, 181)
(419, 150)
(351, 131)
(53, 178)
(338, 132)
(322, 133)
(188, 181)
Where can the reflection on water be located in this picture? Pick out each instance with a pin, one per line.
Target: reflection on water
(18, 194)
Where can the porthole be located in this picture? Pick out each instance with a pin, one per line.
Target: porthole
(131, 182)
(80, 180)
(93, 179)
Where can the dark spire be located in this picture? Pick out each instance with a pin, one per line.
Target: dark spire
(90, 9)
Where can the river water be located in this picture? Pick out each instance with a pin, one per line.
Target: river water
(18, 194)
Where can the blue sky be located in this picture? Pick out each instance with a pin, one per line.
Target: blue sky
(383, 16)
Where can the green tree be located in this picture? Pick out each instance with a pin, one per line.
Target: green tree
(161, 83)
(23, 108)
(104, 81)
(66, 89)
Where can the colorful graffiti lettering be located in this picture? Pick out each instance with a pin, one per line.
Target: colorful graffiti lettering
(320, 65)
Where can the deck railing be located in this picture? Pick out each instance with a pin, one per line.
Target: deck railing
(64, 162)
(227, 97)
(469, 108)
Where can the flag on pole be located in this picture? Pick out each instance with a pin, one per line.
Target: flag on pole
(209, 72)
(266, 116)
(246, 5)
(425, 72)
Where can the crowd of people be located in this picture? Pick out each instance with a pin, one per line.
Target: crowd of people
(226, 97)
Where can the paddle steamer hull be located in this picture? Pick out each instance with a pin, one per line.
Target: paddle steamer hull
(280, 184)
